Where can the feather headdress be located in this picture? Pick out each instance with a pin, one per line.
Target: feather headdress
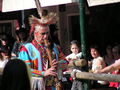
(50, 18)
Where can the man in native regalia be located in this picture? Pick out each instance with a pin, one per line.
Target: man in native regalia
(37, 53)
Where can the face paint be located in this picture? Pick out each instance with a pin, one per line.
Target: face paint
(41, 34)
(44, 33)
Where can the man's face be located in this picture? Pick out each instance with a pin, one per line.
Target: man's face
(42, 34)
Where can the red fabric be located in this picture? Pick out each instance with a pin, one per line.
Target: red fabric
(48, 88)
(22, 48)
(71, 79)
(114, 84)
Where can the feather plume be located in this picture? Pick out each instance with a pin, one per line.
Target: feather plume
(50, 18)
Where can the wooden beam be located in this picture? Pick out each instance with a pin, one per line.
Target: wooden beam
(95, 76)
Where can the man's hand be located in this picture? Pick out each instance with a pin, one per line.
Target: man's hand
(54, 63)
(51, 72)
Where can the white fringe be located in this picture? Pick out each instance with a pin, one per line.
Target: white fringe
(38, 83)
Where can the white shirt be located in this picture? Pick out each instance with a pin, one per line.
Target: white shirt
(3, 63)
(97, 66)
(74, 56)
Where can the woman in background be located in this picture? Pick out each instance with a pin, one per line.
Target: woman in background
(4, 56)
(109, 59)
(21, 38)
(98, 63)
(15, 76)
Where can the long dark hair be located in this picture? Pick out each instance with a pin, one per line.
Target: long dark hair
(15, 76)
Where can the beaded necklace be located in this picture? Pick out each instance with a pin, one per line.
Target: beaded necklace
(44, 56)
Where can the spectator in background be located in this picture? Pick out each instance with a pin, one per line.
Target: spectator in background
(5, 55)
(5, 42)
(15, 76)
(75, 55)
(116, 56)
(21, 38)
(98, 63)
(75, 49)
(113, 68)
(109, 59)
(116, 52)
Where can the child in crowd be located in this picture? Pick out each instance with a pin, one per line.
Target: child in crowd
(76, 54)
(98, 63)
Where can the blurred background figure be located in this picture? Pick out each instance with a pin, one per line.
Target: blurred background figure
(113, 68)
(5, 55)
(116, 52)
(116, 56)
(21, 38)
(109, 59)
(4, 41)
(15, 76)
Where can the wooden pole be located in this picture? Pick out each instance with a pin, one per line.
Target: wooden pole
(95, 76)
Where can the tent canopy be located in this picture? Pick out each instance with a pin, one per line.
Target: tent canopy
(101, 2)
(15, 5)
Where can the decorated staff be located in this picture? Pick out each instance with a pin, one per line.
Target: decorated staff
(51, 57)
